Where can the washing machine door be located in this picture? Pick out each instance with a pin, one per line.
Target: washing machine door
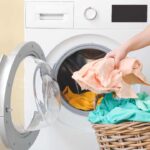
(45, 102)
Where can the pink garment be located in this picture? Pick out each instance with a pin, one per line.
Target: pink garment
(101, 76)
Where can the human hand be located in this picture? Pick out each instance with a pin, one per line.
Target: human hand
(118, 54)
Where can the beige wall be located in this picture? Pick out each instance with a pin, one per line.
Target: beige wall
(11, 34)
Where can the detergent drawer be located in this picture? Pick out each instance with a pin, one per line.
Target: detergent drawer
(49, 14)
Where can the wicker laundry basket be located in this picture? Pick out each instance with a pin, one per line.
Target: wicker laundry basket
(123, 136)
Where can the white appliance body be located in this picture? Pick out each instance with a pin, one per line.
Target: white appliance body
(58, 26)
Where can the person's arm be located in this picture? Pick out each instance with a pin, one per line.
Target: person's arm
(140, 40)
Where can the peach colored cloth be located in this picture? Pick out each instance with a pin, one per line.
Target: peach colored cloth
(101, 76)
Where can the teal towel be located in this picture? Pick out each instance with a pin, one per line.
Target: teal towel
(113, 111)
(143, 101)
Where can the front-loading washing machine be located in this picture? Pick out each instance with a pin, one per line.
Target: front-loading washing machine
(70, 34)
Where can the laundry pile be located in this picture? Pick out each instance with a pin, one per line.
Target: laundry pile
(101, 76)
(84, 101)
(113, 111)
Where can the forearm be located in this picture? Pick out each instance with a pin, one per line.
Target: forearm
(138, 41)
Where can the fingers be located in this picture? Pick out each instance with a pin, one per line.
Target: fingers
(117, 60)
(118, 55)
(110, 55)
(113, 54)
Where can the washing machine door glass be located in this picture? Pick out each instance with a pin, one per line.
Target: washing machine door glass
(47, 96)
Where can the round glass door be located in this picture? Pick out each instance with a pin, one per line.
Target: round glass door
(35, 98)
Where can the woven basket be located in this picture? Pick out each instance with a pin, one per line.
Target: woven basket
(123, 136)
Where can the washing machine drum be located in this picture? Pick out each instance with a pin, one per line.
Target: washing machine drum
(45, 99)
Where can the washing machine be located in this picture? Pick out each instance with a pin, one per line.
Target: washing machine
(60, 37)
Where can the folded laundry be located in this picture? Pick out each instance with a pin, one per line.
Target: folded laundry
(113, 111)
(83, 101)
(143, 101)
(101, 76)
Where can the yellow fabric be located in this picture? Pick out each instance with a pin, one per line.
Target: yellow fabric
(84, 101)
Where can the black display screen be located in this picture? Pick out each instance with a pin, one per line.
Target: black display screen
(129, 13)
